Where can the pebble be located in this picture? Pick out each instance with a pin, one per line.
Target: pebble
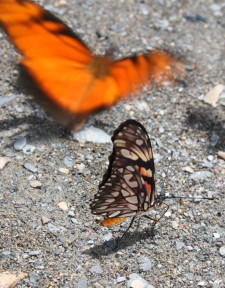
(188, 169)
(221, 154)
(74, 221)
(201, 175)
(144, 263)
(35, 184)
(91, 134)
(82, 283)
(216, 235)
(3, 162)
(34, 253)
(8, 280)
(120, 279)
(28, 149)
(212, 96)
(137, 281)
(107, 237)
(71, 213)
(175, 224)
(168, 214)
(190, 276)
(63, 206)
(20, 143)
(71, 239)
(210, 157)
(64, 170)
(179, 245)
(53, 229)
(30, 167)
(222, 251)
(96, 269)
(45, 220)
(214, 139)
(202, 283)
(68, 162)
(32, 278)
(4, 100)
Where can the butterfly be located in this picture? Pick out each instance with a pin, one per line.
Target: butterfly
(74, 83)
(128, 186)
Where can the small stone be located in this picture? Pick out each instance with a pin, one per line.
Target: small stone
(91, 134)
(96, 269)
(222, 251)
(168, 214)
(35, 184)
(71, 239)
(107, 237)
(212, 96)
(30, 167)
(216, 235)
(202, 283)
(137, 281)
(144, 263)
(188, 169)
(214, 139)
(179, 245)
(175, 224)
(32, 277)
(82, 283)
(45, 220)
(221, 154)
(28, 149)
(20, 143)
(74, 221)
(80, 167)
(3, 162)
(210, 157)
(120, 279)
(68, 162)
(190, 276)
(71, 214)
(63, 206)
(53, 229)
(34, 253)
(201, 175)
(8, 280)
(64, 170)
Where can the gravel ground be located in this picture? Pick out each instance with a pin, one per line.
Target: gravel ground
(67, 248)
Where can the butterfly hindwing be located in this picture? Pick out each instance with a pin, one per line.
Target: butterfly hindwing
(123, 194)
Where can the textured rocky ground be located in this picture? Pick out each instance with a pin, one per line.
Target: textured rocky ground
(68, 248)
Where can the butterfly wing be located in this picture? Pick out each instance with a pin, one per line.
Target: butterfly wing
(74, 82)
(123, 194)
(132, 146)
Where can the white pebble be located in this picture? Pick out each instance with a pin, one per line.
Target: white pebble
(91, 134)
(216, 235)
(137, 281)
(63, 206)
(222, 251)
(3, 162)
(35, 184)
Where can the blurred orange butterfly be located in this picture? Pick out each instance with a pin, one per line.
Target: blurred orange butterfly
(74, 82)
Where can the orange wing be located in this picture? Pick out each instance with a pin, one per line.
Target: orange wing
(73, 80)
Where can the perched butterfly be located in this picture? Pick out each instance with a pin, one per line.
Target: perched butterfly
(128, 186)
(74, 82)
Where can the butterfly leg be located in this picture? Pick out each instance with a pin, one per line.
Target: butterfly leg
(155, 221)
(130, 225)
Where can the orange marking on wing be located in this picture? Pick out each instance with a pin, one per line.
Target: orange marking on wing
(112, 221)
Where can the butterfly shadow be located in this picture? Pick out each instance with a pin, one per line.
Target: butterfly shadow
(114, 245)
(211, 120)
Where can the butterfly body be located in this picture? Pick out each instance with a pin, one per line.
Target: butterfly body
(128, 186)
(74, 82)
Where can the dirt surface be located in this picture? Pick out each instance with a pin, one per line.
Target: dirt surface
(68, 248)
